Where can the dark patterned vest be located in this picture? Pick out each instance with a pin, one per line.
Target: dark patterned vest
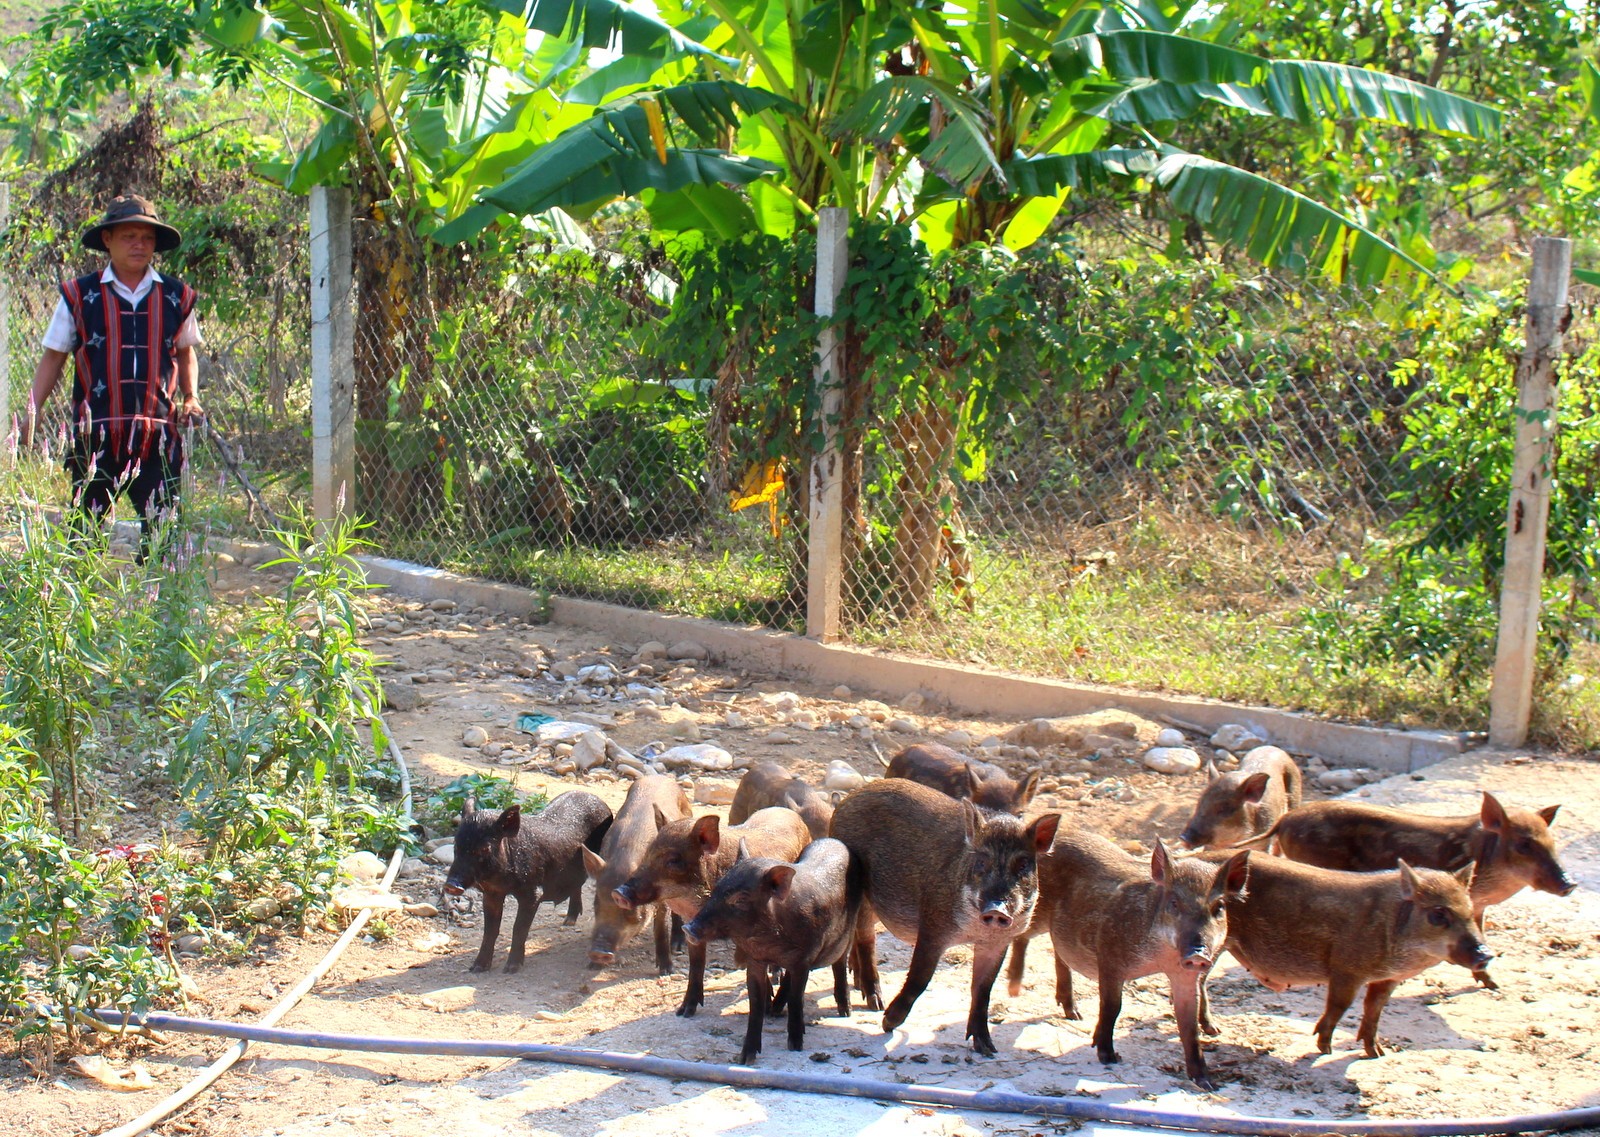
(127, 371)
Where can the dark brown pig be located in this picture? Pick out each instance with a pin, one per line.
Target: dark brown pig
(1299, 925)
(794, 916)
(768, 784)
(1507, 849)
(686, 859)
(1116, 917)
(501, 855)
(649, 798)
(1245, 802)
(954, 774)
(940, 872)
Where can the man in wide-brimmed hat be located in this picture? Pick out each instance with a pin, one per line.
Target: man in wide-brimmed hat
(131, 332)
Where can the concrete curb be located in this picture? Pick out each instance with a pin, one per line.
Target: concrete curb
(888, 676)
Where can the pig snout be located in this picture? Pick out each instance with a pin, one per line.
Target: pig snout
(454, 887)
(602, 958)
(995, 915)
(1472, 954)
(623, 896)
(1197, 957)
(1562, 884)
(1191, 839)
(694, 933)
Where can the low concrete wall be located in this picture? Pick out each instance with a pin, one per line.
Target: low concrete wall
(888, 676)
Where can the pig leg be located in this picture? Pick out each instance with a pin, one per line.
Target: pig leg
(1110, 1009)
(677, 932)
(526, 907)
(695, 996)
(755, 979)
(794, 979)
(1186, 1006)
(1341, 993)
(1377, 998)
(985, 970)
(865, 957)
(1206, 1025)
(574, 907)
(841, 988)
(1069, 1005)
(925, 958)
(1019, 960)
(494, 907)
(663, 951)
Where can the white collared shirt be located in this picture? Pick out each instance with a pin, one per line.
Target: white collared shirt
(62, 334)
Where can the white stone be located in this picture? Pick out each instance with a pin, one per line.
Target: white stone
(400, 694)
(654, 649)
(362, 867)
(913, 701)
(441, 605)
(842, 692)
(688, 649)
(1171, 737)
(990, 743)
(734, 720)
(598, 673)
(550, 733)
(354, 897)
(903, 726)
(589, 750)
(645, 691)
(474, 736)
(858, 722)
(262, 908)
(713, 793)
(804, 720)
(191, 944)
(698, 756)
(1232, 736)
(1171, 760)
(956, 739)
(444, 855)
(843, 777)
(685, 728)
(492, 749)
(782, 701)
(1339, 781)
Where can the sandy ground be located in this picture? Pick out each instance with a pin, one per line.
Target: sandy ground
(1456, 1050)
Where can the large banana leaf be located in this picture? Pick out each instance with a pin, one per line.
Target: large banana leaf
(1276, 225)
(1308, 91)
(1139, 54)
(1044, 175)
(959, 153)
(605, 23)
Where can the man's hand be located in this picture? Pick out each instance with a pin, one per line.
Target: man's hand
(190, 413)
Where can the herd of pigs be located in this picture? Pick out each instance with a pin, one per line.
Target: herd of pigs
(939, 854)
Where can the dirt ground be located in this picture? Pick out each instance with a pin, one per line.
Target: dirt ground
(1455, 1050)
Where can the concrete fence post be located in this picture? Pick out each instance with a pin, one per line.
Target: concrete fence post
(1511, 691)
(332, 356)
(825, 528)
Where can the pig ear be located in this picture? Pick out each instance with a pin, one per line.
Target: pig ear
(708, 831)
(1549, 814)
(744, 850)
(593, 863)
(1493, 814)
(1465, 874)
(1408, 881)
(974, 783)
(1043, 831)
(1160, 863)
(836, 796)
(469, 807)
(778, 878)
(1212, 773)
(1255, 786)
(1235, 874)
(1029, 787)
(510, 821)
(661, 818)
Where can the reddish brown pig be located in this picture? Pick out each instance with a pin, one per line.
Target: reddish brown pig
(1507, 849)
(688, 857)
(794, 916)
(940, 872)
(1117, 917)
(1245, 802)
(1298, 925)
(954, 774)
(649, 798)
(768, 784)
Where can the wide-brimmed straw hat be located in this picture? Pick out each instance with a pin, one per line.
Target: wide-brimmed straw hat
(131, 207)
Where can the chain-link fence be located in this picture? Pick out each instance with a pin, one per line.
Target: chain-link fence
(1178, 476)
